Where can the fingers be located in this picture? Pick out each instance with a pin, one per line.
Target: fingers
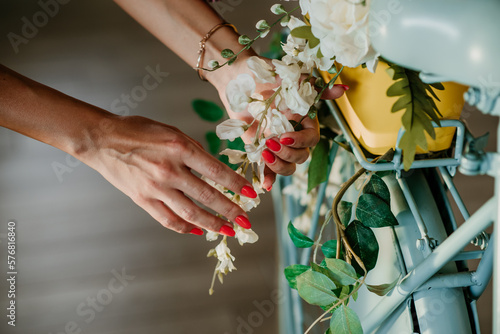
(335, 92)
(215, 170)
(212, 198)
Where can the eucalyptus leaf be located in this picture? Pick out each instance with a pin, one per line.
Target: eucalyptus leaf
(305, 32)
(364, 244)
(207, 110)
(343, 272)
(299, 239)
(291, 273)
(316, 288)
(374, 212)
(214, 142)
(318, 167)
(344, 210)
(382, 289)
(378, 187)
(345, 321)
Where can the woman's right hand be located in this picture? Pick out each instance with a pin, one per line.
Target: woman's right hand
(152, 163)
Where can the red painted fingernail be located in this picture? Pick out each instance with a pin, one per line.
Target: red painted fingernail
(196, 231)
(243, 221)
(269, 188)
(273, 145)
(345, 87)
(249, 192)
(226, 230)
(287, 141)
(268, 156)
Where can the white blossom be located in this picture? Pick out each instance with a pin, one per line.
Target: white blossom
(342, 28)
(261, 69)
(239, 92)
(231, 129)
(245, 236)
(289, 73)
(256, 109)
(225, 258)
(234, 156)
(299, 100)
(254, 152)
(212, 236)
(279, 124)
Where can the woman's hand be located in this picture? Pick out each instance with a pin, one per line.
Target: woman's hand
(283, 153)
(152, 163)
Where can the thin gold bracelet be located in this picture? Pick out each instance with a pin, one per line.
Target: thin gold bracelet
(201, 52)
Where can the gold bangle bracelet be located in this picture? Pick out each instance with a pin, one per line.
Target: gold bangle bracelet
(203, 42)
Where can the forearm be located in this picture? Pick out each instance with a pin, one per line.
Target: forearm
(47, 115)
(180, 25)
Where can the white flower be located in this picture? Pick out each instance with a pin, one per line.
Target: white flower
(256, 109)
(212, 236)
(231, 129)
(261, 69)
(342, 28)
(254, 152)
(245, 236)
(290, 74)
(247, 203)
(279, 124)
(305, 5)
(239, 92)
(234, 156)
(225, 258)
(299, 100)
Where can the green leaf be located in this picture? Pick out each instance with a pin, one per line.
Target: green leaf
(343, 272)
(207, 110)
(236, 144)
(344, 210)
(227, 53)
(374, 212)
(244, 40)
(323, 270)
(214, 142)
(318, 167)
(291, 273)
(378, 187)
(382, 289)
(345, 321)
(416, 98)
(305, 32)
(364, 243)
(298, 239)
(316, 288)
(329, 248)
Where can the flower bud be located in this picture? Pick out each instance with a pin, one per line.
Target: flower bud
(213, 64)
(278, 9)
(262, 25)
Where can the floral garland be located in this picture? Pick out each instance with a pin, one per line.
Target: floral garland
(332, 32)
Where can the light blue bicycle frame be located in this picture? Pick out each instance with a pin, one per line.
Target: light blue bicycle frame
(448, 41)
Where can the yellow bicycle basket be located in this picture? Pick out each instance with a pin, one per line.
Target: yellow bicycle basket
(367, 109)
